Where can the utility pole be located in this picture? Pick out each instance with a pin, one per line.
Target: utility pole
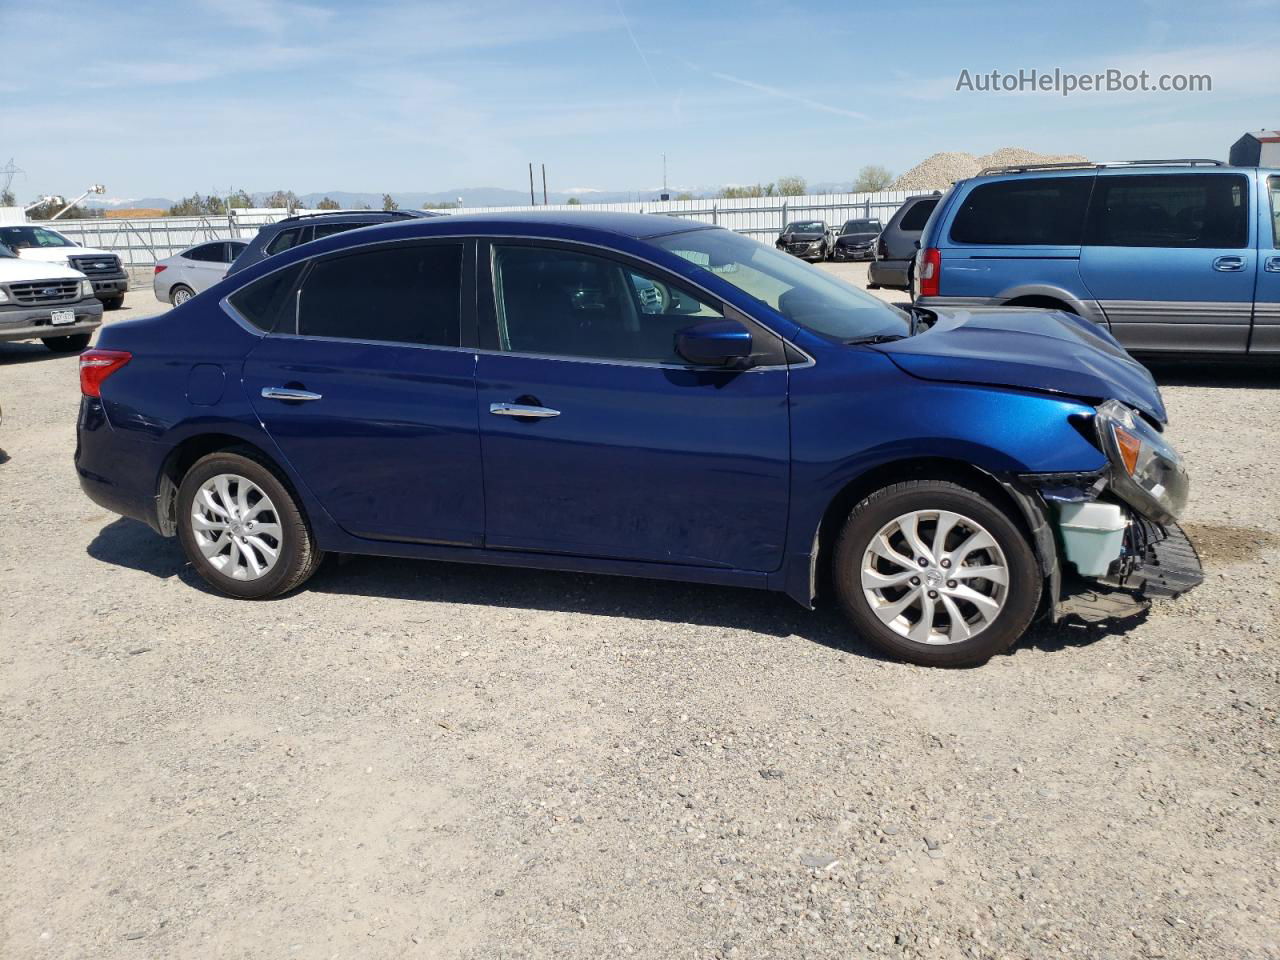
(544, 184)
(532, 202)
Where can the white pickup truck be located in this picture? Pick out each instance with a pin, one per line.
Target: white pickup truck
(46, 301)
(32, 241)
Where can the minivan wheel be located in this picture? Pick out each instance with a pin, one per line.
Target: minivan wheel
(242, 529)
(74, 343)
(936, 574)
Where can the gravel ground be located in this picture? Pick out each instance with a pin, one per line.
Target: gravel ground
(426, 760)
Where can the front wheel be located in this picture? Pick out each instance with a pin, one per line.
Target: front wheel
(242, 529)
(74, 343)
(934, 573)
(113, 303)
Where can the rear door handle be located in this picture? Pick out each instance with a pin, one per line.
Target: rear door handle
(286, 393)
(521, 410)
(1229, 264)
(1272, 265)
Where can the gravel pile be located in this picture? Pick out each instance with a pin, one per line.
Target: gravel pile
(942, 169)
(448, 762)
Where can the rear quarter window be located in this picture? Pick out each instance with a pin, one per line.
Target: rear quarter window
(1043, 210)
(268, 302)
(916, 217)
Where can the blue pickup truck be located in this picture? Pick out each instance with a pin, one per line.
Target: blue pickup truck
(1173, 256)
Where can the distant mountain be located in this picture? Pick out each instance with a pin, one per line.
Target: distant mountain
(146, 203)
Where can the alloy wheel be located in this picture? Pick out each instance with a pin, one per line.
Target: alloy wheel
(236, 527)
(935, 577)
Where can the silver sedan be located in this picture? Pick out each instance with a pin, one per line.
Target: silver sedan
(182, 276)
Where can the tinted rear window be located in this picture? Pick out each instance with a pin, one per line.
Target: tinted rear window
(918, 215)
(285, 240)
(408, 293)
(1029, 211)
(1207, 210)
(266, 303)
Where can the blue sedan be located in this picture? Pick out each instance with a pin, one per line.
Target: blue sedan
(643, 396)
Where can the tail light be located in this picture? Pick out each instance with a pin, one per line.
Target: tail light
(96, 365)
(161, 267)
(930, 274)
(882, 248)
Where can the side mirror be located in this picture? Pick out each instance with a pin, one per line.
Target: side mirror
(715, 343)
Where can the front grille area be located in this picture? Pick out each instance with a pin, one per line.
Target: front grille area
(95, 266)
(44, 293)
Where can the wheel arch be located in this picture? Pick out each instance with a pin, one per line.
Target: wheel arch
(1026, 511)
(185, 454)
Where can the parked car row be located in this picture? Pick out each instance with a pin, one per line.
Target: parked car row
(813, 240)
(573, 391)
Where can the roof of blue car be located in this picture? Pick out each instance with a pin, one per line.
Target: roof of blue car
(639, 226)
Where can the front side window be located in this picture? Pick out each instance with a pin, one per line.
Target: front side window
(803, 294)
(1036, 210)
(1205, 210)
(407, 293)
(27, 238)
(563, 303)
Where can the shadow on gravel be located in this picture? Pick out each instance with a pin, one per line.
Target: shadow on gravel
(14, 353)
(128, 543)
(4, 457)
(1218, 373)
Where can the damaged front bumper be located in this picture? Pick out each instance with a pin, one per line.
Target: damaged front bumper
(1150, 559)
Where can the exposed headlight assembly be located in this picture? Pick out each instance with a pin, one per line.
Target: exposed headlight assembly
(86, 288)
(1146, 472)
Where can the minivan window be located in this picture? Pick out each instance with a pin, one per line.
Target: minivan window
(1035, 210)
(408, 293)
(564, 303)
(1273, 184)
(267, 302)
(918, 215)
(1207, 210)
(804, 295)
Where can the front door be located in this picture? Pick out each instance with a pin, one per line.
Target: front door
(1170, 259)
(370, 397)
(629, 452)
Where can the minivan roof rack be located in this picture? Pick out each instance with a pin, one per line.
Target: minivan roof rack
(1085, 164)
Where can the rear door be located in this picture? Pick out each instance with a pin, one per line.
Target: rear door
(1170, 257)
(1266, 309)
(636, 454)
(365, 386)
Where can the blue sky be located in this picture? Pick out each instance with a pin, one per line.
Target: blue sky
(166, 98)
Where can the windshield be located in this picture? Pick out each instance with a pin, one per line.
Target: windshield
(861, 226)
(806, 226)
(803, 294)
(22, 238)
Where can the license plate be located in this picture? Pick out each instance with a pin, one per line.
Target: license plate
(59, 317)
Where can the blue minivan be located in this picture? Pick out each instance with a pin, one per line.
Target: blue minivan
(1173, 257)
(643, 396)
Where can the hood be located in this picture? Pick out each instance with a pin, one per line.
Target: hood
(12, 270)
(1030, 349)
(858, 237)
(794, 237)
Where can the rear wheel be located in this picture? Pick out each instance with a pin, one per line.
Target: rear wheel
(242, 529)
(934, 573)
(180, 294)
(74, 343)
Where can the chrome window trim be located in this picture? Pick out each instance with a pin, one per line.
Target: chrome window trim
(230, 309)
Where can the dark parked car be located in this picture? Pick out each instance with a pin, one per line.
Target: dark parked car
(806, 239)
(856, 240)
(895, 251)
(303, 228)
(644, 396)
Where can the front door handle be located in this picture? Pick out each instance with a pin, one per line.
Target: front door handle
(1272, 265)
(521, 410)
(286, 393)
(1229, 264)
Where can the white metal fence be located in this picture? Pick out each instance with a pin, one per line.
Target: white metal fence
(141, 242)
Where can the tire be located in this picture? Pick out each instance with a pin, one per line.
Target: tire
(863, 576)
(224, 546)
(73, 343)
(113, 303)
(873, 286)
(180, 293)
